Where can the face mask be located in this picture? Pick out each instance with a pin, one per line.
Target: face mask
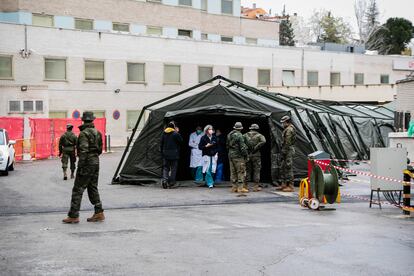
(198, 132)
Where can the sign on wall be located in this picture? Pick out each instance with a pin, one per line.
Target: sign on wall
(403, 64)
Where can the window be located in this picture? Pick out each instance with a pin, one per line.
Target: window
(156, 1)
(204, 36)
(204, 5)
(132, 117)
(185, 2)
(313, 78)
(14, 106)
(98, 113)
(263, 77)
(2, 140)
(57, 114)
(227, 6)
(28, 106)
(83, 24)
(172, 74)
(185, 33)
(385, 79)
(226, 39)
(204, 73)
(136, 72)
(94, 70)
(39, 106)
(6, 67)
(288, 78)
(251, 40)
(335, 78)
(42, 20)
(236, 74)
(55, 69)
(120, 27)
(359, 78)
(151, 30)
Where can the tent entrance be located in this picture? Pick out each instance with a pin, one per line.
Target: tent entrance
(187, 124)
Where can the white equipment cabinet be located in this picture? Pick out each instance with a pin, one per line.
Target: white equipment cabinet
(388, 162)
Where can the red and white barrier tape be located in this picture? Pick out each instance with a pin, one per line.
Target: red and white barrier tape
(363, 173)
(351, 161)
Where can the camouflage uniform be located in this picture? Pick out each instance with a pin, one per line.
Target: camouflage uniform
(89, 148)
(255, 142)
(238, 154)
(288, 151)
(67, 145)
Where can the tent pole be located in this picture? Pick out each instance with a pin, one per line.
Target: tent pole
(114, 178)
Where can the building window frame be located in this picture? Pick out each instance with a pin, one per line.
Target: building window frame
(205, 67)
(85, 20)
(185, 5)
(154, 28)
(190, 33)
(287, 71)
(258, 77)
(145, 72)
(179, 74)
(237, 68)
(22, 106)
(121, 24)
(55, 58)
(43, 15)
(15, 111)
(11, 67)
(357, 79)
(84, 70)
(58, 111)
(223, 7)
(308, 79)
(384, 79)
(226, 38)
(202, 4)
(331, 79)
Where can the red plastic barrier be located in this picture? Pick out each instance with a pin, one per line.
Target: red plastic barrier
(59, 127)
(42, 134)
(14, 127)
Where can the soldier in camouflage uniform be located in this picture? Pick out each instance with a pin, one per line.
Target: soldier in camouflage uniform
(67, 146)
(288, 151)
(89, 148)
(238, 155)
(255, 141)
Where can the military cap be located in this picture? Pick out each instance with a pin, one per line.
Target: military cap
(285, 119)
(238, 126)
(69, 126)
(88, 116)
(254, 126)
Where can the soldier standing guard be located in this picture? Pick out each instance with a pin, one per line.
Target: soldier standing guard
(288, 151)
(67, 146)
(238, 154)
(255, 141)
(89, 148)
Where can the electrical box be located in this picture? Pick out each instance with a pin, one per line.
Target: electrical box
(388, 162)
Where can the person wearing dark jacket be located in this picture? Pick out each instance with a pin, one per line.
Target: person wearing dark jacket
(208, 146)
(222, 155)
(171, 141)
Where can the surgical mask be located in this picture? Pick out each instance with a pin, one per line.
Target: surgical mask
(198, 132)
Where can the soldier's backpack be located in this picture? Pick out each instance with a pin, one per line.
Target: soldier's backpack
(94, 139)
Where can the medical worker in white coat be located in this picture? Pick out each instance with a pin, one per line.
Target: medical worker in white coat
(196, 160)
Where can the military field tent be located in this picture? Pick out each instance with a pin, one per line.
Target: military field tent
(344, 131)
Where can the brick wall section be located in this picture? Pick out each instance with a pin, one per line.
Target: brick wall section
(405, 97)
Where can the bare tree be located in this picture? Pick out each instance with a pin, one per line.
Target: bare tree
(360, 8)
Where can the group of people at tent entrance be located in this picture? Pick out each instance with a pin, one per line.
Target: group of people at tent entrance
(345, 131)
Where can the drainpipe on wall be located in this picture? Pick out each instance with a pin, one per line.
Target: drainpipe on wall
(302, 72)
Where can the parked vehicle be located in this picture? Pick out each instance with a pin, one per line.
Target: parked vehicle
(7, 153)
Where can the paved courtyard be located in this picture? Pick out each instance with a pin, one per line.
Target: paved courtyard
(193, 231)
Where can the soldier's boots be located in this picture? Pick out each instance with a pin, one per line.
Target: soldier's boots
(242, 190)
(72, 174)
(96, 217)
(256, 187)
(281, 187)
(233, 188)
(289, 188)
(246, 186)
(65, 175)
(70, 220)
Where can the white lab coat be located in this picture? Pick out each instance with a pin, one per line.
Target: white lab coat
(206, 163)
(196, 154)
